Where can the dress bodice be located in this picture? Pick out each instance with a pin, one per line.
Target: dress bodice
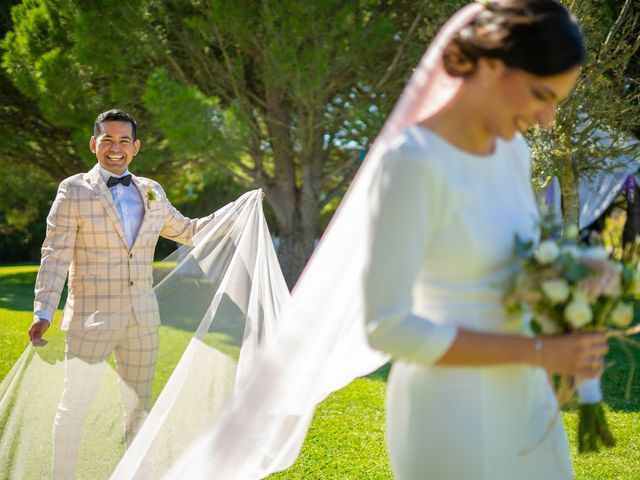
(442, 236)
(486, 201)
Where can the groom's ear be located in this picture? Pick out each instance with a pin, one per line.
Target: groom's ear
(92, 144)
(136, 146)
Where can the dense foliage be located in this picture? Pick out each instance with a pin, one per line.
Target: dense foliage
(283, 96)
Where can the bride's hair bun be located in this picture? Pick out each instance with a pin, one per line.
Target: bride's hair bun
(538, 36)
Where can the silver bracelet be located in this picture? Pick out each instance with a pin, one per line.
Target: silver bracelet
(537, 346)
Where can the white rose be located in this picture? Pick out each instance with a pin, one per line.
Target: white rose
(547, 252)
(578, 313)
(622, 315)
(556, 290)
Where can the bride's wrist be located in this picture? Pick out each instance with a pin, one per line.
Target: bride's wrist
(537, 345)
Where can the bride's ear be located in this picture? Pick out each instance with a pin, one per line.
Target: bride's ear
(489, 70)
(456, 62)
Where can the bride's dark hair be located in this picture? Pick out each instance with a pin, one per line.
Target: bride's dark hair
(538, 36)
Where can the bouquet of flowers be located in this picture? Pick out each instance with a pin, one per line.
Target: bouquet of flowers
(570, 286)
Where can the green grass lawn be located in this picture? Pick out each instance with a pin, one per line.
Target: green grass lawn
(346, 439)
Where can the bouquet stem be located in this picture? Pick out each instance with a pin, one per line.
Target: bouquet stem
(593, 428)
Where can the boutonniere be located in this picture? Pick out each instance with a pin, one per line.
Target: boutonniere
(151, 196)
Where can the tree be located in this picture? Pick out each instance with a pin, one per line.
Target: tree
(604, 103)
(49, 98)
(284, 96)
(26, 134)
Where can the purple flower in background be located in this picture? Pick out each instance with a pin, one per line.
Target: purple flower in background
(629, 187)
(550, 195)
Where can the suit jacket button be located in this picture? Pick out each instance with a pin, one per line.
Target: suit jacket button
(131, 255)
(130, 283)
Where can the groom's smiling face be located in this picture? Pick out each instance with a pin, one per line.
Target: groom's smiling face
(115, 146)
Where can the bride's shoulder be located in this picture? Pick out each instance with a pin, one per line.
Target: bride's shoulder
(520, 144)
(413, 145)
(519, 148)
(411, 157)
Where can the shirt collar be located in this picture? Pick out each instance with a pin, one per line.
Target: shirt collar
(106, 174)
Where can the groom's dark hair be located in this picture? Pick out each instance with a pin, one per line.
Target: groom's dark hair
(114, 115)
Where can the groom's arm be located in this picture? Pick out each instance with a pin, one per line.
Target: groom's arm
(57, 253)
(182, 229)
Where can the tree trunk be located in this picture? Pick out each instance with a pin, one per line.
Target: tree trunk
(297, 213)
(569, 188)
(296, 245)
(294, 189)
(632, 225)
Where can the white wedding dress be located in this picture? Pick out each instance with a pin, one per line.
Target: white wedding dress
(442, 245)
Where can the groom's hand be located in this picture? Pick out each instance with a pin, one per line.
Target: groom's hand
(36, 331)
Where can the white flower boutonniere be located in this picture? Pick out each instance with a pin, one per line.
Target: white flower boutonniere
(151, 196)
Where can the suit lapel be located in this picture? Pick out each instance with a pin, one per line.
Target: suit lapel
(104, 195)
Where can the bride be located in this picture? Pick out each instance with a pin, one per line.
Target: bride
(412, 264)
(468, 395)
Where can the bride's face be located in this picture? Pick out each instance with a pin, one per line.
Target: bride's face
(524, 100)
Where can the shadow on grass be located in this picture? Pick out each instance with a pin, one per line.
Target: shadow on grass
(16, 291)
(186, 307)
(380, 374)
(620, 382)
(182, 307)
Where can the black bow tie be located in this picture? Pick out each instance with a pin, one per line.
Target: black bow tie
(113, 181)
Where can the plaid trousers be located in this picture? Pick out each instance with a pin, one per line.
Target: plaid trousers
(86, 354)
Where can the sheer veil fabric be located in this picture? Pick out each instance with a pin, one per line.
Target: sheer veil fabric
(235, 272)
(246, 362)
(218, 301)
(321, 343)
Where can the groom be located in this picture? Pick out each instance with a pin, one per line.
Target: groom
(102, 230)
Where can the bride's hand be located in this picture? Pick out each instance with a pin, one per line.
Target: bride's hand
(579, 354)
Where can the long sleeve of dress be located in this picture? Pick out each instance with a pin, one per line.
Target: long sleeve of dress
(406, 207)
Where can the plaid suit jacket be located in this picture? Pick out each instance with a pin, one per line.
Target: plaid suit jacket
(85, 239)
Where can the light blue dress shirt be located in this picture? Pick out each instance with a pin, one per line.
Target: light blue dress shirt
(129, 205)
